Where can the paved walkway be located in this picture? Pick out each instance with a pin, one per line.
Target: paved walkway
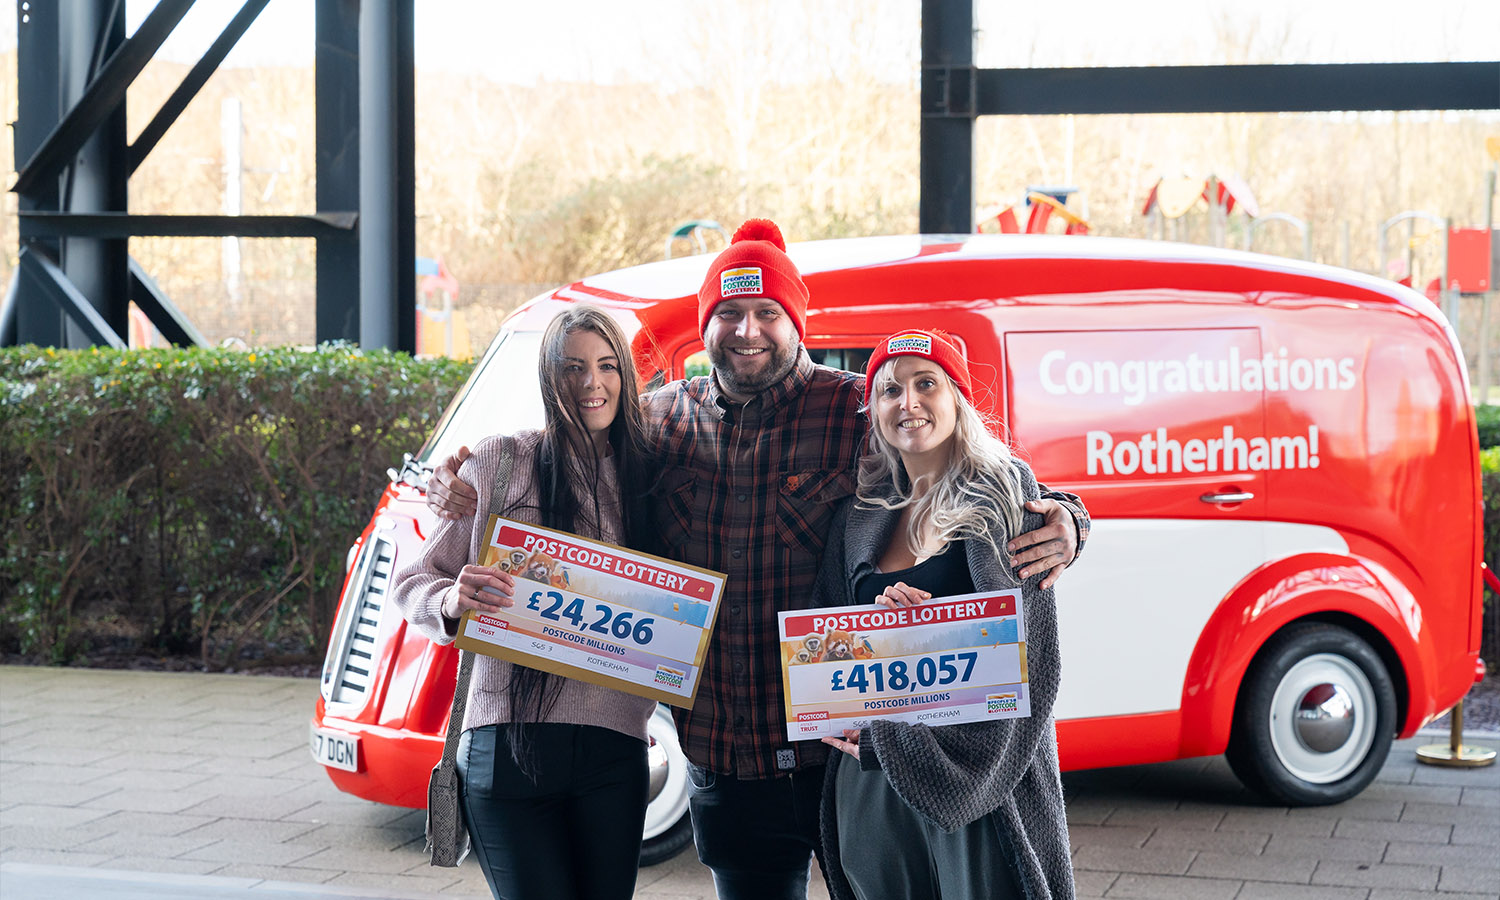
(146, 785)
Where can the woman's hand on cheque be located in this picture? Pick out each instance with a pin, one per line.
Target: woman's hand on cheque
(901, 594)
(480, 588)
(849, 744)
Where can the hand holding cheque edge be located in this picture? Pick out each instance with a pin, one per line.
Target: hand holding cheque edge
(480, 588)
(1048, 549)
(849, 743)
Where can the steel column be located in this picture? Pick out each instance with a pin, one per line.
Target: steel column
(387, 177)
(337, 92)
(29, 317)
(947, 136)
(96, 174)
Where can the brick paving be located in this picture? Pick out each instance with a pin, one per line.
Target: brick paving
(129, 784)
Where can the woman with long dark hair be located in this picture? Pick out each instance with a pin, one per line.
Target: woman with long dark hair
(955, 812)
(552, 770)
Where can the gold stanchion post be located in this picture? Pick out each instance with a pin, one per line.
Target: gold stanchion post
(1456, 753)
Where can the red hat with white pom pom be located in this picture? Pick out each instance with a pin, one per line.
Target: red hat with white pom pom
(754, 264)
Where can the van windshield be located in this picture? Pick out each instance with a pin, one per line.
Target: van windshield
(502, 396)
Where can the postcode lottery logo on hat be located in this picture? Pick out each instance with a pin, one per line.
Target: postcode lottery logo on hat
(910, 343)
(738, 282)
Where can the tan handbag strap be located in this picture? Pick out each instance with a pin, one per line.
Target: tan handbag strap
(465, 658)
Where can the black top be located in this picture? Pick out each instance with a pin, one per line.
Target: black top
(944, 575)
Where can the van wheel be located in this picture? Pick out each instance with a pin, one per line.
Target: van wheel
(1315, 717)
(668, 828)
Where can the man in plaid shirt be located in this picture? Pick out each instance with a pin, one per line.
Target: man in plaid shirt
(755, 459)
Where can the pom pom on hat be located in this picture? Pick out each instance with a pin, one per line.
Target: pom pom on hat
(754, 264)
(760, 230)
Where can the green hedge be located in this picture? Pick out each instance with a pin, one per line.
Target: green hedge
(194, 502)
(1488, 418)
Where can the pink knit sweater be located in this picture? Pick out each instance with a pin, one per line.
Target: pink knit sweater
(421, 586)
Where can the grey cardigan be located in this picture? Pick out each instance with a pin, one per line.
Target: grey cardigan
(953, 775)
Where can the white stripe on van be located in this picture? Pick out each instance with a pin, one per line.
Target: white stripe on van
(1130, 611)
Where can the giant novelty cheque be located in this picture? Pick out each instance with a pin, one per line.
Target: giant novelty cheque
(596, 612)
(946, 661)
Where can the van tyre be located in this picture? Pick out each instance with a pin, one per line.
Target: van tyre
(1314, 718)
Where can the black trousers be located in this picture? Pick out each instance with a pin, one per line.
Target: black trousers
(574, 833)
(757, 836)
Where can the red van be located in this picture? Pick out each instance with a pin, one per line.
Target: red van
(1280, 459)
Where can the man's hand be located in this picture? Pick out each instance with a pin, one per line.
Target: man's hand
(447, 496)
(1048, 549)
(480, 588)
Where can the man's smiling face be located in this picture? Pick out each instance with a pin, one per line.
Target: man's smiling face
(752, 344)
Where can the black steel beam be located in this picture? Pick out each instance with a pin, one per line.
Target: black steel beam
(95, 179)
(387, 176)
(405, 64)
(104, 95)
(946, 204)
(1237, 89)
(46, 277)
(162, 312)
(32, 319)
(124, 225)
(336, 89)
(196, 77)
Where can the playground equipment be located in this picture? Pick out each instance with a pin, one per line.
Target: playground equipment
(1170, 200)
(1043, 203)
(1259, 222)
(692, 232)
(436, 291)
(1466, 259)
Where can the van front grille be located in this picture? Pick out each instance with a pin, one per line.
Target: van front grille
(349, 667)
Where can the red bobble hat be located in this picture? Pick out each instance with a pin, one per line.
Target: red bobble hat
(936, 346)
(754, 264)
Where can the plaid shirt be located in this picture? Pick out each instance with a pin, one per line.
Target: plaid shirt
(749, 490)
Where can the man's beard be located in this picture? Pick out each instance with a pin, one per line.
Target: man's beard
(782, 359)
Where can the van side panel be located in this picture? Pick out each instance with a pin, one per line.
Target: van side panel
(1392, 469)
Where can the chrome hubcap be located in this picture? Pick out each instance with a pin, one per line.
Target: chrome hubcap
(1324, 718)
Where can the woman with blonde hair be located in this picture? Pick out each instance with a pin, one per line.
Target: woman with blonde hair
(550, 767)
(957, 811)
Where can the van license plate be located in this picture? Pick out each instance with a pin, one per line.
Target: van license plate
(334, 748)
